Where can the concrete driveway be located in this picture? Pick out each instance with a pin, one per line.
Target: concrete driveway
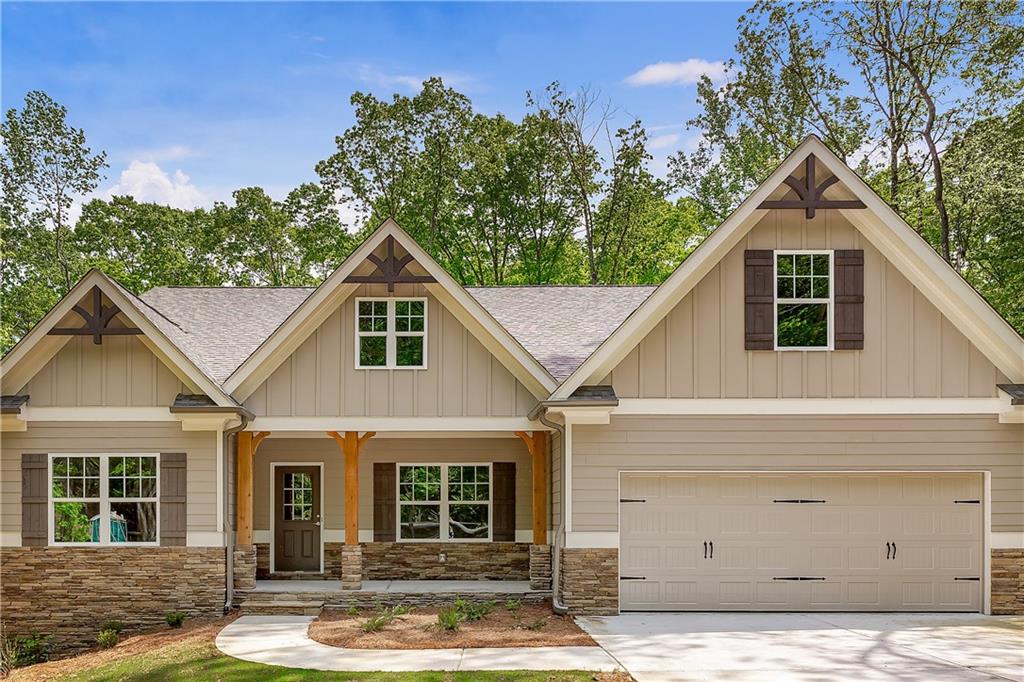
(806, 647)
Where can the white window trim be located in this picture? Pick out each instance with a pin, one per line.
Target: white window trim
(104, 499)
(830, 301)
(444, 503)
(391, 350)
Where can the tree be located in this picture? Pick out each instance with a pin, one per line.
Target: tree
(937, 47)
(256, 237)
(45, 165)
(323, 241)
(144, 245)
(781, 87)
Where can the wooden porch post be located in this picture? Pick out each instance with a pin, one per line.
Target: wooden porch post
(247, 444)
(351, 443)
(537, 444)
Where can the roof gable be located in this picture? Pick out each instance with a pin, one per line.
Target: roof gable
(358, 268)
(889, 233)
(168, 342)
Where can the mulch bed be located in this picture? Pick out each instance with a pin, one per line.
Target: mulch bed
(530, 625)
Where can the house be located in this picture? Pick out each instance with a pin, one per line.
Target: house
(814, 412)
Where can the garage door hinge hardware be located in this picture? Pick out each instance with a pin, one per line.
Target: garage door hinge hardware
(631, 499)
(632, 577)
(799, 501)
(962, 578)
(797, 577)
(966, 501)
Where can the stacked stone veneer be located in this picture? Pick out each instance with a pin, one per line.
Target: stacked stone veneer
(243, 567)
(1008, 582)
(351, 567)
(446, 561)
(70, 592)
(540, 567)
(589, 580)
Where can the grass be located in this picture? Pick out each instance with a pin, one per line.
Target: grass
(196, 658)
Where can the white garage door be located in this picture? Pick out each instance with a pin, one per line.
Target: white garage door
(800, 542)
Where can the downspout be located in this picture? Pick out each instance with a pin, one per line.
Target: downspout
(556, 605)
(229, 573)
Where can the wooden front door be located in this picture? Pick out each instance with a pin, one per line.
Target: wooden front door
(297, 518)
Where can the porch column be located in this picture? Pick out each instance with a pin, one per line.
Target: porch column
(351, 443)
(244, 552)
(540, 551)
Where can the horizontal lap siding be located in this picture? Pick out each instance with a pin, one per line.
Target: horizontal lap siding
(810, 443)
(462, 377)
(910, 348)
(46, 437)
(378, 449)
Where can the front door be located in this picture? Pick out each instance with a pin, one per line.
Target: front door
(297, 518)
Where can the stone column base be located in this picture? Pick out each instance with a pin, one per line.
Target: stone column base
(589, 580)
(243, 567)
(1008, 582)
(351, 567)
(540, 567)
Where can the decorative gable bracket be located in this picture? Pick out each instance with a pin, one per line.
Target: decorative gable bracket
(811, 194)
(97, 323)
(390, 270)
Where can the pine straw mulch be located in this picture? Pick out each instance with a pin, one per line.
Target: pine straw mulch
(192, 631)
(532, 625)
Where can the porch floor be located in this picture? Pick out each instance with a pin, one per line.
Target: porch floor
(396, 586)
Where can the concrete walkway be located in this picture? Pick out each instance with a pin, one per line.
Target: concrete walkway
(283, 641)
(813, 647)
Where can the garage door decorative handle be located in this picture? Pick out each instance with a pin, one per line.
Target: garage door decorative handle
(632, 577)
(797, 578)
(630, 499)
(975, 579)
(799, 501)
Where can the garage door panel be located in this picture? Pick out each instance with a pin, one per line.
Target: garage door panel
(878, 542)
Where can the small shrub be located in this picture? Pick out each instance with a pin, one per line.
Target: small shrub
(352, 611)
(114, 625)
(513, 605)
(473, 610)
(107, 638)
(450, 618)
(384, 617)
(538, 624)
(17, 652)
(174, 618)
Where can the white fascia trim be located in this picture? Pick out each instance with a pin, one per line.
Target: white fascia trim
(194, 538)
(98, 414)
(1014, 414)
(592, 539)
(583, 415)
(277, 425)
(1007, 540)
(10, 538)
(322, 302)
(832, 406)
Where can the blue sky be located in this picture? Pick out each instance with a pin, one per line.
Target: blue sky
(191, 101)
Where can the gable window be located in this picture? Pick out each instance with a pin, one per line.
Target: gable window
(803, 300)
(103, 499)
(444, 502)
(391, 333)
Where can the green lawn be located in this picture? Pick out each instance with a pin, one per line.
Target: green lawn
(201, 662)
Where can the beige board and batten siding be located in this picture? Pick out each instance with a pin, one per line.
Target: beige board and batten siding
(462, 378)
(120, 372)
(796, 443)
(380, 449)
(114, 437)
(910, 348)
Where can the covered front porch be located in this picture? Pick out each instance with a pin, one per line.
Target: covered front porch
(421, 516)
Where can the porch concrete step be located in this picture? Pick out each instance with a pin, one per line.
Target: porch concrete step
(280, 607)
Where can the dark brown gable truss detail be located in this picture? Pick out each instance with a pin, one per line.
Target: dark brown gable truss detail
(97, 323)
(810, 194)
(390, 270)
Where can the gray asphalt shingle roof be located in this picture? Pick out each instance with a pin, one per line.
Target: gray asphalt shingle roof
(219, 327)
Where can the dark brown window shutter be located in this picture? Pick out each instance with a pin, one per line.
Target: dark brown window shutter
(759, 292)
(173, 499)
(385, 480)
(34, 474)
(503, 502)
(849, 298)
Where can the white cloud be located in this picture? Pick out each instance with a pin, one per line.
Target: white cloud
(146, 181)
(686, 72)
(409, 81)
(663, 141)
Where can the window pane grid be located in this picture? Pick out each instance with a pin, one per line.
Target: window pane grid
(803, 300)
(391, 333)
(453, 498)
(297, 493)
